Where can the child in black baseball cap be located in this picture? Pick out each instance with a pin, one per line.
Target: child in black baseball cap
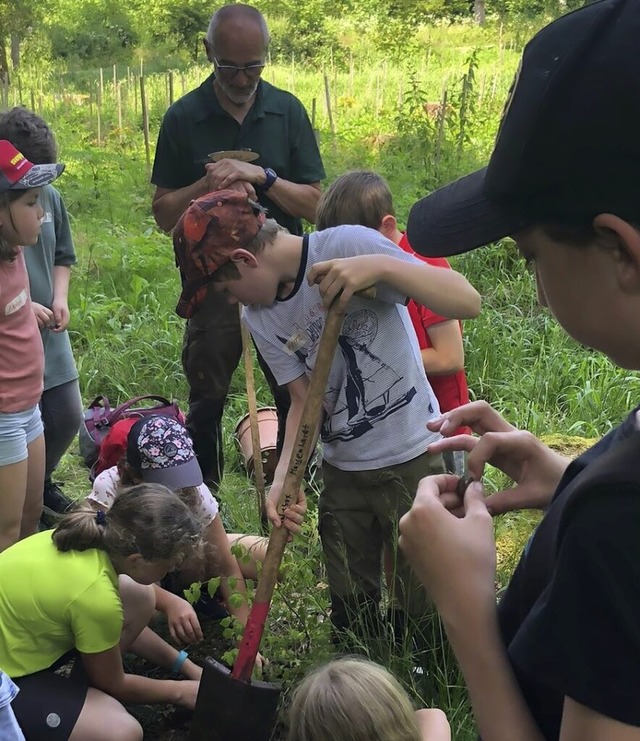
(559, 658)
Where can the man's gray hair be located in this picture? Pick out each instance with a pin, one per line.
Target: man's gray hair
(238, 10)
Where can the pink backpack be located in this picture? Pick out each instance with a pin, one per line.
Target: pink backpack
(100, 418)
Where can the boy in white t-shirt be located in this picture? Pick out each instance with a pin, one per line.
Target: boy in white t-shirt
(378, 397)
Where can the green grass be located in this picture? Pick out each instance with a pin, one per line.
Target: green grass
(127, 338)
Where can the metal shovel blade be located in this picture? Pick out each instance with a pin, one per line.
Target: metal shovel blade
(230, 709)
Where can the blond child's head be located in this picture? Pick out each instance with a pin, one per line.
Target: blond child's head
(351, 699)
(357, 197)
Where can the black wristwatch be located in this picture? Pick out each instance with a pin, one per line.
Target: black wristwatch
(271, 176)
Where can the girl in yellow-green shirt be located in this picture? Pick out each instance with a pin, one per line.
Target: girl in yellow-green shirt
(85, 590)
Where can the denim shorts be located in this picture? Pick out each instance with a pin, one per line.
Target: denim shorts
(9, 728)
(17, 430)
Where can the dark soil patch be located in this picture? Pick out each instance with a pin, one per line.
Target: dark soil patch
(168, 722)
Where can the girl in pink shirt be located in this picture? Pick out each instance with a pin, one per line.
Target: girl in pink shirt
(21, 352)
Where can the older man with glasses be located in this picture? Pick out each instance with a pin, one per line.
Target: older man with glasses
(272, 154)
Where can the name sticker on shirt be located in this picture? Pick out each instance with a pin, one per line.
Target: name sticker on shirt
(17, 303)
(296, 342)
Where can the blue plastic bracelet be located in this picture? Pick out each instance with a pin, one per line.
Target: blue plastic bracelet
(177, 664)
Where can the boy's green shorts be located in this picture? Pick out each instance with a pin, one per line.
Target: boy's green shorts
(359, 513)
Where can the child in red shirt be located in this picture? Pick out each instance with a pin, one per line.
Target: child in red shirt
(363, 197)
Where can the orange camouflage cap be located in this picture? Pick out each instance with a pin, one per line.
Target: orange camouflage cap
(208, 232)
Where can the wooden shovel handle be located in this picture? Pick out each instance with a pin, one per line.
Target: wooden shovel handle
(258, 468)
(254, 628)
(302, 449)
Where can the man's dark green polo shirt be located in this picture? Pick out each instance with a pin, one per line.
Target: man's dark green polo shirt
(276, 127)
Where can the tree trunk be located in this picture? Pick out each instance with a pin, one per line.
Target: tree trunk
(15, 51)
(479, 12)
(4, 64)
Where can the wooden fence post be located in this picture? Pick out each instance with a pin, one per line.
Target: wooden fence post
(145, 124)
(292, 81)
(351, 74)
(442, 113)
(327, 95)
(99, 108)
(119, 102)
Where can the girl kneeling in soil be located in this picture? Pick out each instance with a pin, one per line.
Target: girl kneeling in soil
(84, 590)
(353, 699)
(158, 448)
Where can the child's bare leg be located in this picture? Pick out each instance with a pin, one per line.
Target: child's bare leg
(256, 549)
(221, 562)
(217, 558)
(433, 725)
(13, 485)
(138, 603)
(91, 725)
(32, 510)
